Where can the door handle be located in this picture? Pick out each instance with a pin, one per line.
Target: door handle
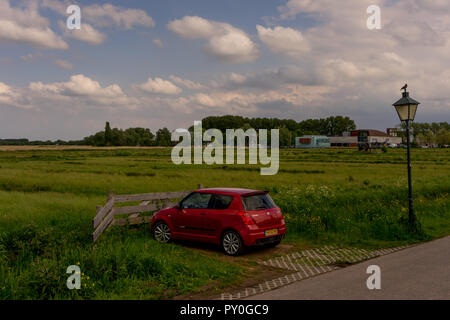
(203, 214)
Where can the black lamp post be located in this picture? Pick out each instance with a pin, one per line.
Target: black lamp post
(406, 108)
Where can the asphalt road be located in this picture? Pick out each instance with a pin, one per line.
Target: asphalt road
(420, 272)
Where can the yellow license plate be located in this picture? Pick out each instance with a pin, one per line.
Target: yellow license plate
(271, 232)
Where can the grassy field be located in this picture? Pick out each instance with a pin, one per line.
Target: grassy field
(339, 196)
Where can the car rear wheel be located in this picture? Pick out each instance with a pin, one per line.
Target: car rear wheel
(232, 243)
(161, 232)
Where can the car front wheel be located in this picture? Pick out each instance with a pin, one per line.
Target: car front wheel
(232, 243)
(161, 232)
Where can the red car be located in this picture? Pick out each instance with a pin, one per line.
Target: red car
(231, 218)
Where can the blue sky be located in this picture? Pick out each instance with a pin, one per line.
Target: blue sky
(168, 63)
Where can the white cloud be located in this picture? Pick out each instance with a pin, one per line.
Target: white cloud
(5, 94)
(84, 88)
(12, 97)
(105, 15)
(158, 42)
(284, 41)
(193, 27)
(25, 25)
(31, 56)
(108, 15)
(207, 100)
(64, 64)
(224, 42)
(187, 83)
(237, 78)
(160, 86)
(86, 34)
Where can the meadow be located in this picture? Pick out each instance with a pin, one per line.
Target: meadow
(330, 196)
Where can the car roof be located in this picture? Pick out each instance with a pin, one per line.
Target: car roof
(231, 191)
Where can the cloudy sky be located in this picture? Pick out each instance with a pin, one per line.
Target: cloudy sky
(167, 63)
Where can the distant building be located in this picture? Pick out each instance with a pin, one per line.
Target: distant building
(366, 136)
(376, 136)
(392, 132)
(343, 141)
(312, 142)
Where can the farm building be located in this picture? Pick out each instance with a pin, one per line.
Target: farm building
(312, 142)
(355, 137)
(343, 141)
(375, 136)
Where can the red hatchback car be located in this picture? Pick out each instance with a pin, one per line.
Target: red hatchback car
(231, 218)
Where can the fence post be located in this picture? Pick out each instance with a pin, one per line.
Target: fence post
(200, 186)
(110, 195)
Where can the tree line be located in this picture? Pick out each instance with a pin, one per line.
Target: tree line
(432, 134)
(428, 133)
(289, 129)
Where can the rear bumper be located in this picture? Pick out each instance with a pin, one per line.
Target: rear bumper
(272, 239)
(255, 236)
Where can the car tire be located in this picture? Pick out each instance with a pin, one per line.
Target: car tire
(161, 232)
(232, 243)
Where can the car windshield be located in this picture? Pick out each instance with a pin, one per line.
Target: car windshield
(257, 202)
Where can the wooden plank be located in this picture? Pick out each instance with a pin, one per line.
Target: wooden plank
(133, 215)
(102, 226)
(150, 196)
(102, 212)
(134, 209)
(134, 221)
(120, 222)
(125, 222)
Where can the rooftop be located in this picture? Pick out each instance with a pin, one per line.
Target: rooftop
(373, 132)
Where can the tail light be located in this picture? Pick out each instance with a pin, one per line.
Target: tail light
(246, 218)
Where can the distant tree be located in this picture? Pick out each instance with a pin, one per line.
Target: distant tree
(108, 134)
(443, 137)
(337, 125)
(285, 137)
(163, 137)
(99, 139)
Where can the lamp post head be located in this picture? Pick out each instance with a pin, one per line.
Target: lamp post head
(406, 107)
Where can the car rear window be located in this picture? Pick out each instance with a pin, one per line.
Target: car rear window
(220, 201)
(257, 202)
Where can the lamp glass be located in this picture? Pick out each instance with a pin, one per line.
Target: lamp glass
(406, 111)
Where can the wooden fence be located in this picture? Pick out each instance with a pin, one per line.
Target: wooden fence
(110, 214)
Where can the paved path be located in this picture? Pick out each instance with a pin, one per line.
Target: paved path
(420, 272)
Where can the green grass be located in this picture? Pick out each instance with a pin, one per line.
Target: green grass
(338, 196)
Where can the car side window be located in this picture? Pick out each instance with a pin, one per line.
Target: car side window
(196, 200)
(220, 201)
